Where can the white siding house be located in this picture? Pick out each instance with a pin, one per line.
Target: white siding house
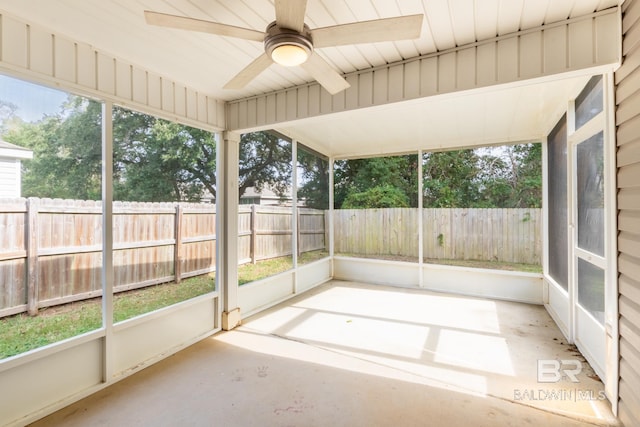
(10, 172)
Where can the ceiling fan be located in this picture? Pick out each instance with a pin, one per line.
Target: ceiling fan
(288, 40)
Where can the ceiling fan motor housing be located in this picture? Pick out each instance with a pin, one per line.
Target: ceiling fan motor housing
(277, 37)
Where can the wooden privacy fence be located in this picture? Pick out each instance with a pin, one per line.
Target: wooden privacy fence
(266, 232)
(507, 235)
(51, 250)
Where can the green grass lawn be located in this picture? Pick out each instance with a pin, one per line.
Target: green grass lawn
(22, 332)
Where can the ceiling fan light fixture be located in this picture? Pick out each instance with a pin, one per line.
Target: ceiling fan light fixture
(287, 47)
(289, 55)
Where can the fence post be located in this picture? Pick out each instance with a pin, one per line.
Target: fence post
(32, 256)
(254, 234)
(177, 257)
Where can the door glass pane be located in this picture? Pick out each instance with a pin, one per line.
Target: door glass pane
(589, 102)
(590, 193)
(591, 289)
(557, 188)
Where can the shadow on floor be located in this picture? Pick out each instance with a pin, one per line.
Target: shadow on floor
(349, 354)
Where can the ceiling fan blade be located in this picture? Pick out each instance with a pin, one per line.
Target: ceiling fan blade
(378, 30)
(290, 14)
(250, 72)
(184, 23)
(329, 78)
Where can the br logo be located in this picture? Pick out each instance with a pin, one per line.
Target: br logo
(552, 370)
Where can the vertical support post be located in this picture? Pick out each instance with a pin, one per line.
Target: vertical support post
(420, 222)
(254, 234)
(227, 207)
(177, 256)
(295, 225)
(32, 256)
(107, 239)
(331, 208)
(295, 233)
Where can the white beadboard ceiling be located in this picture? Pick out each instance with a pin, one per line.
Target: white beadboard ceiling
(206, 62)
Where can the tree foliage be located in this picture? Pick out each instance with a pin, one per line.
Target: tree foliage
(158, 160)
(381, 196)
(359, 175)
(314, 179)
(154, 159)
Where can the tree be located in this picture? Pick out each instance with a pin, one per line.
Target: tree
(451, 179)
(265, 161)
(314, 182)
(381, 196)
(154, 159)
(67, 153)
(359, 175)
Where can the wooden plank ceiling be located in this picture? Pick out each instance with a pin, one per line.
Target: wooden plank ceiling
(206, 62)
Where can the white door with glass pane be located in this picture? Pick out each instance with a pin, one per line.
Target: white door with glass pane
(592, 209)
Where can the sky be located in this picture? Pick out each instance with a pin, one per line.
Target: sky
(33, 101)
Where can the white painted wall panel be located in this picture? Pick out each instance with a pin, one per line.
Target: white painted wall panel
(508, 59)
(168, 95)
(486, 64)
(380, 86)
(504, 285)
(139, 341)
(606, 38)
(466, 72)
(411, 81)
(65, 59)
(314, 100)
(106, 71)
(531, 65)
(14, 42)
(314, 274)
(581, 53)
(37, 384)
(191, 103)
(252, 110)
(351, 94)
(258, 295)
(139, 85)
(291, 105)
(123, 80)
(86, 66)
(40, 51)
(302, 102)
(154, 90)
(396, 83)
(558, 307)
(180, 99)
(447, 72)
(376, 271)
(428, 69)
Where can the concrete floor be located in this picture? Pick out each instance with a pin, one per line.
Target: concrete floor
(350, 354)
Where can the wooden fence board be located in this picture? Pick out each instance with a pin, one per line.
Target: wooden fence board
(62, 260)
(153, 243)
(508, 235)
